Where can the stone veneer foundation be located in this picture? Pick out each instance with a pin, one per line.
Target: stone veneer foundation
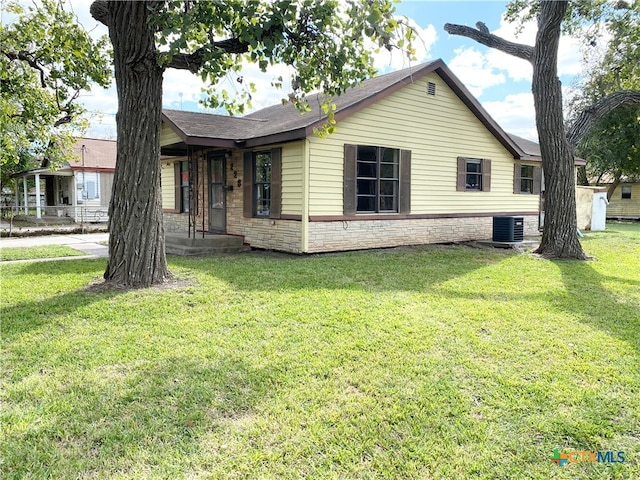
(333, 236)
(356, 235)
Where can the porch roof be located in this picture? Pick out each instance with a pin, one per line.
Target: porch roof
(45, 172)
(532, 152)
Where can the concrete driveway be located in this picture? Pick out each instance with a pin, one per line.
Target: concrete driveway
(87, 243)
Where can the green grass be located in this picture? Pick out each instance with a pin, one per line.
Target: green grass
(441, 362)
(45, 251)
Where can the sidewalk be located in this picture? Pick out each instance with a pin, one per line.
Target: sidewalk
(87, 243)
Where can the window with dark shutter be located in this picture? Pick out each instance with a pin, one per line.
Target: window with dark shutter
(526, 179)
(262, 184)
(262, 193)
(376, 180)
(473, 174)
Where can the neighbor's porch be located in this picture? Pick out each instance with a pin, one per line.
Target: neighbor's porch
(57, 197)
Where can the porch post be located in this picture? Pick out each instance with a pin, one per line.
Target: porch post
(16, 200)
(38, 212)
(24, 194)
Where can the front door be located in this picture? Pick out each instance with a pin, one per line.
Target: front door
(217, 193)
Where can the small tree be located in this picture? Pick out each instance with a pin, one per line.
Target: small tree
(559, 239)
(46, 61)
(326, 44)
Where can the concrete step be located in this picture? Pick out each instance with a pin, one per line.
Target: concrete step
(180, 244)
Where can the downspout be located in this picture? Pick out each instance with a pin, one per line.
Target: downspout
(306, 161)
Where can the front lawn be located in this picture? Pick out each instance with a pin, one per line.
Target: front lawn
(44, 251)
(443, 362)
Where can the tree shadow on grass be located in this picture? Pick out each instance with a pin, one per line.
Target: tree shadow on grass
(403, 268)
(151, 415)
(597, 305)
(27, 315)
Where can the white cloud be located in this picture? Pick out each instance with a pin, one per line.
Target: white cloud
(474, 70)
(515, 114)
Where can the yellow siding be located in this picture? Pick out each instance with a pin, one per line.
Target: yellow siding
(168, 136)
(292, 178)
(627, 207)
(437, 129)
(168, 181)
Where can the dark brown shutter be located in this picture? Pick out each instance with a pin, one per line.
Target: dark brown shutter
(461, 184)
(276, 183)
(517, 169)
(537, 180)
(177, 186)
(405, 181)
(349, 180)
(486, 175)
(247, 181)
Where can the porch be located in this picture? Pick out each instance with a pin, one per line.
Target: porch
(207, 244)
(63, 196)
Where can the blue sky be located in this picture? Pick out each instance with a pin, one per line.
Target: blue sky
(501, 83)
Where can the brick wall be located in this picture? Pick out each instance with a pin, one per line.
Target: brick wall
(175, 222)
(273, 234)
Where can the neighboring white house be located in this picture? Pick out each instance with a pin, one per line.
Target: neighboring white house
(79, 190)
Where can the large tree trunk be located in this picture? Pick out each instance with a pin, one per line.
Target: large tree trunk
(559, 237)
(136, 241)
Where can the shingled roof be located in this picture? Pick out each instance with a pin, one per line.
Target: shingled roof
(98, 154)
(280, 123)
(530, 149)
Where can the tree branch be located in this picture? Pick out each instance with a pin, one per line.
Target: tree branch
(63, 120)
(193, 61)
(591, 115)
(482, 35)
(25, 57)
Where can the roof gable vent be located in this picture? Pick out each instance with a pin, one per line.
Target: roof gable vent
(431, 88)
